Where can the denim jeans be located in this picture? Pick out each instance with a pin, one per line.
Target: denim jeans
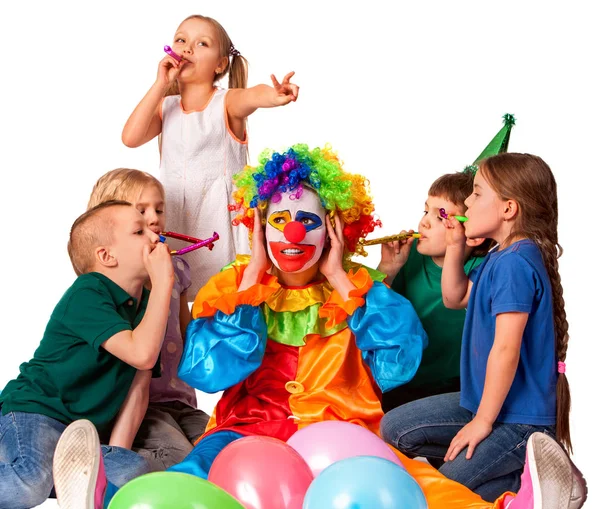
(27, 443)
(427, 426)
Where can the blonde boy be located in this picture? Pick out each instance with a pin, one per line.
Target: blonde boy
(105, 328)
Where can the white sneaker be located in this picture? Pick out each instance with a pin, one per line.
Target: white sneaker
(550, 480)
(79, 478)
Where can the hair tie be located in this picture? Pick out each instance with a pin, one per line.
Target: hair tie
(233, 52)
(562, 367)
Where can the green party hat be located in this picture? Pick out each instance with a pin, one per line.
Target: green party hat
(498, 145)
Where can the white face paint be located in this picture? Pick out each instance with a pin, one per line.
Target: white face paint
(296, 231)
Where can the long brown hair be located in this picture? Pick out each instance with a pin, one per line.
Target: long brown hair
(237, 65)
(528, 180)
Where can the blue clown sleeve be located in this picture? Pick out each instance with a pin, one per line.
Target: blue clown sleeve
(223, 350)
(390, 335)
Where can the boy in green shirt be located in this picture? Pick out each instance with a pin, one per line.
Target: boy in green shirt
(414, 270)
(104, 329)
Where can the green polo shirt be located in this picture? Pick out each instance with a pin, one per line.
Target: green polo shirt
(420, 281)
(71, 376)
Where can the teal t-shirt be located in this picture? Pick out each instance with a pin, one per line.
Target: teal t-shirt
(71, 376)
(420, 281)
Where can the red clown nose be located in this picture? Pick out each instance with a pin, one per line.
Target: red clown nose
(294, 232)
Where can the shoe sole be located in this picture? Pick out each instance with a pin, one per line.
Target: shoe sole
(550, 492)
(75, 466)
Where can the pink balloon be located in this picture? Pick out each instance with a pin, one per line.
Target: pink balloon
(262, 473)
(326, 442)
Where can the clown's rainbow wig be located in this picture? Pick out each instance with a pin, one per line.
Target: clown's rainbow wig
(319, 169)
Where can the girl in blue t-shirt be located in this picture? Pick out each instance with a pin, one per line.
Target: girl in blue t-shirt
(514, 344)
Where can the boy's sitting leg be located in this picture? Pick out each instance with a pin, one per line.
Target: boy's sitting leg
(168, 432)
(27, 443)
(123, 465)
(87, 474)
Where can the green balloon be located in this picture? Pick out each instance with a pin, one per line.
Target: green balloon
(172, 490)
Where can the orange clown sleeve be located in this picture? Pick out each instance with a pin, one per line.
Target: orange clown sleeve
(220, 293)
(336, 310)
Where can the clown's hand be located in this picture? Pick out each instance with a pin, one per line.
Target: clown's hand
(331, 259)
(259, 259)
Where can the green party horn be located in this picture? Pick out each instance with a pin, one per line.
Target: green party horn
(460, 219)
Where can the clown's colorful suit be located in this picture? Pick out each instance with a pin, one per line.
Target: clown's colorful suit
(290, 357)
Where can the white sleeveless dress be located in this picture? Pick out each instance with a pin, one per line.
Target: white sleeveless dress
(199, 155)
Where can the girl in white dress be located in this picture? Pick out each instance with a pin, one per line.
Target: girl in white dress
(203, 136)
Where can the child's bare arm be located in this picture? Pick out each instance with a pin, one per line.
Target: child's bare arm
(132, 411)
(456, 286)
(499, 375)
(242, 102)
(141, 346)
(145, 122)
(502, 363)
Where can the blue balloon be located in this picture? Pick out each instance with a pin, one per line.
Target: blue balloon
(364, 482)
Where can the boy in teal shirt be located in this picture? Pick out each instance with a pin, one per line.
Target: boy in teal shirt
(414, 270)
(98, 337)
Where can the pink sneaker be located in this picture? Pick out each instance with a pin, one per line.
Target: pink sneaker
(79, 479)
(550, 480)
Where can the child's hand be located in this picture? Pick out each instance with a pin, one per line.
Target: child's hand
(159, 265)
(284, 92)
(331, 259)
(168, 70)
(470, 435)
(395, 254)
(455, 232)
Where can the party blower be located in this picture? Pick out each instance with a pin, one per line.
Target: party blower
(171, 53)
(196, 243)
(460, 219)
(383, 240)
(390, 238)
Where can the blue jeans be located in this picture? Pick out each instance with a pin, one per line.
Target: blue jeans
(427, 426)
(27, 443)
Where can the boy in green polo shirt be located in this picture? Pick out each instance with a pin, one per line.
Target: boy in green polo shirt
(98, 337)
(414, 270)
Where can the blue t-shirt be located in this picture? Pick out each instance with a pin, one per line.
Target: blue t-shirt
(512, 280)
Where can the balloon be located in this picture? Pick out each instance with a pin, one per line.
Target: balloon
(364, 482)
(323, 443)
(262, 473)
(172, 490)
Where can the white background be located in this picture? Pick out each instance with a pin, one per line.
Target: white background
(404, 95)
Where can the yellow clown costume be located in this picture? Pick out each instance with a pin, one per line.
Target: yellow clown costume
(287, 357)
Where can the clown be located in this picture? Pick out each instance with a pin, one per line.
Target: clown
(296, 333)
